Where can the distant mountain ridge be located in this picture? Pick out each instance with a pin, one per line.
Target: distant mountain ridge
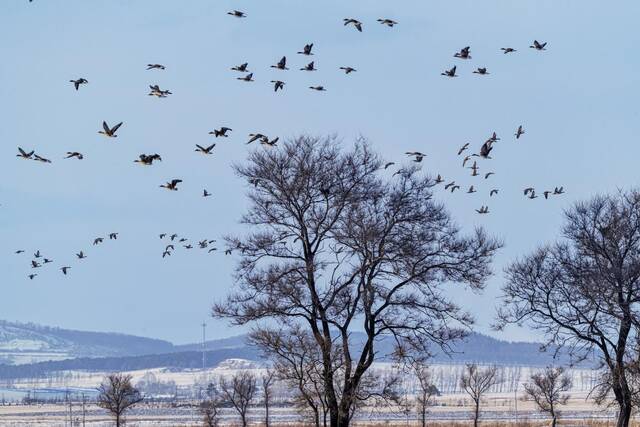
(28, 343)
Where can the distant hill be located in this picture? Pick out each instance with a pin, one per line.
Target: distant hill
(28, 343)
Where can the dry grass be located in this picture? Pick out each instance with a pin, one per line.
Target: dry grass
(567, 423)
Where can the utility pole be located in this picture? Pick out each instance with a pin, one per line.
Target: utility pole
(204, 346)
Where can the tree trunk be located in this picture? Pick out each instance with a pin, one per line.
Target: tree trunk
(476, 415)
(553, 421)
(624, 416)
(117, 420)
(424, 415)
(266, 410)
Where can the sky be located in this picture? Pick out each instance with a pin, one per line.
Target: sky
(577, 100)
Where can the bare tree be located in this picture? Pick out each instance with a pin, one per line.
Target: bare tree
(239, 392)
(210, 407)
(334, 243)
(547, 389)
(476, 382)
(427, 391)
(116, 394)
(266, 381)
(583, 291)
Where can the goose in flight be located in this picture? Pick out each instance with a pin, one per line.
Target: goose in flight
(47, 261)
(109, 132)
(387, 22)
(318, 88)
(81, 255)
(492, 192)
(237, 14)
(538, 46)
(389, 164)
(41, 159)
(546, 194)
(485, 150)
(493, 138)
(147, 159)
(220, 132)
(35, 264)
(173, 237)
(348, 70)
(155, 67)
(488, 174)
(242, 67)
(32, 276)
(519, 132)
(450, 73)
(255, 136)
(24, 154)
(162, 235)
(481, 70)
(97, 241)
(75, 154)
(465, 53)
(475, 168)
(418, 156)
(272, 143)
(204, 150)
(471, 190)
(454, 188)
(354, 22)
(19, 251)
(528, 190)
(172, 185)
(558, 191)
(449, 185)
(439, 179)
(309, 67)
(507, 49)
(277, 84)
(282, 64)
(465, 160)
(156, 91)
(166, 253)
(307, 49)
(113, 236)
(205, 193)
(37, 254)
(64, 270)
(483, 210)
(78, 82)
(247, 78)
(532, 194)
(464, 147)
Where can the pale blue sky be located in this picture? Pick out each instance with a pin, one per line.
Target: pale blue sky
(578, 102)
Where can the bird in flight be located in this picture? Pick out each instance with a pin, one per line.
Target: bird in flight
(309, 67)
(155, 67)
(78, 82)
(204, 150)
(19, 251)
(247, 78)
(538, 46)
(449, 73)
(75, 154)
(348, 70)
(242, 67)
(482, 71)
(156, 91)
(282, 64)
(24, 154)
(318, 88)
(354, 22)
(37, 254)
(485, 150)
(439, 179)
(81, 255)
(277, 84)
(41, 159)
(307, 49)
(220, 132)
(97, 241)
(147, 159)
(205, 193)
(483, 210)
(113, 236)
(558, 191)
(464, 147)
(109, 132)
(237, 14)
(172, 185)
(32, 276)
(465, 53)
(519, 132)
(471, 190)
(64, 270)
(256, 136)
(507, 49)
(389, 164)
(492, 192)
(387, 22)
(417, 155)
(272, 143)
(488, 174)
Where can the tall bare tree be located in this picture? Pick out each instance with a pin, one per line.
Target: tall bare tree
(116, 394)
(427, 391)
(239, 391)
(210, 406)
(547, 389)
(583, 291)
(336, 244)
(266, 381)
(476, 382)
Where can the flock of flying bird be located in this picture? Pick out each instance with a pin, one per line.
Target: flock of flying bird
(174, 240)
